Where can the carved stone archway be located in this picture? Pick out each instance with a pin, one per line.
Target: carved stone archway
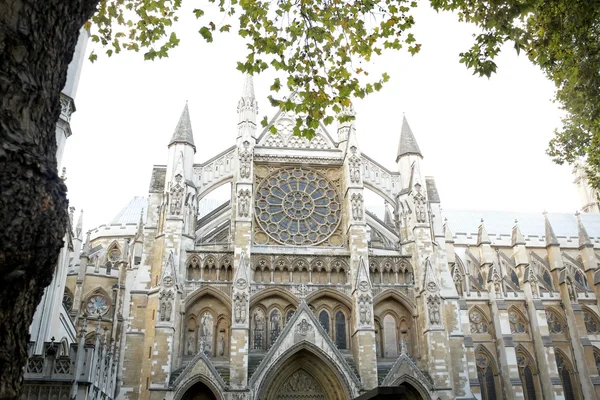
(304, 376)
(199, 391)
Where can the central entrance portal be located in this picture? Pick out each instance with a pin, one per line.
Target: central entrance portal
(302, 376)
(199, 392)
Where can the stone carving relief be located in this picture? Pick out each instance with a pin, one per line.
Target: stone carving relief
(245, 162)
(304, 328)
(301, 385)
(244, 202)
(206, 333)
(221, 344)
(240, 308)
(356, 201)
(166, 298)
(354, 166)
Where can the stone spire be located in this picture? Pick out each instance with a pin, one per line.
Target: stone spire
(183, 131)
(551, 239)
(584, 238)
(408, 143)
(517, 236)
(482, 235)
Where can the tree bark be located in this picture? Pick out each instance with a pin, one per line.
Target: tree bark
(37, 41)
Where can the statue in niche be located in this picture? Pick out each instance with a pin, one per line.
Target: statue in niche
(354, 166)
(169, 310)
(419, 200)
(364, 309)
(163, 311)
(176, 197)
(240, 309)
(571, 290)
(275, 325)
(259, 328)
(221, 344)
(206, 333)
(243, 202)
(356, 201)
(190, 343)
(245, 162)
(433, 303)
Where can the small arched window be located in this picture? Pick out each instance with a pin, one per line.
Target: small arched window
(517, 323)
(67, 300)
(548, 280)
(580, 278)
(340, 330)
(478, 322)
(514, 278)
(591, 322)
(554, 323)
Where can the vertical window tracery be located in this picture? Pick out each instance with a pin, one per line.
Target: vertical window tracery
(340, 330)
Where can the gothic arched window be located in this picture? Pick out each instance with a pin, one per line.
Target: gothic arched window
(580, 278)
(514, 278)
(258, 326)
(517, 324)
(597, 360)
(554, 323)
(565, 377)
(485, 375)
(547, 279)
(478, 322)
(340, 330)
(67, 300)
(274, 326)
(324, 320)
(526, 376)
(591, 322)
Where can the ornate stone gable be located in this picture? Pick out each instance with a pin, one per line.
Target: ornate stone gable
(284, 123)
(405, 369)
(303, 330)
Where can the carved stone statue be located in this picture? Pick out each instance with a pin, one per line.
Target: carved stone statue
(356, 201)
(433, 303)
(354, 166)
(163, 310)
(243, 202)
(176, 199)
(245, 162)
(190, 343)
(221, 344)
(168, 311)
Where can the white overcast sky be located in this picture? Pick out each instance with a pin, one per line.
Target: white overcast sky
(483, 140)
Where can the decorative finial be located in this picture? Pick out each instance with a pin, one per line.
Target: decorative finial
(63, 176)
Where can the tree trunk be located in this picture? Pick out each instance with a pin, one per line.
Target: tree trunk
(37, 40)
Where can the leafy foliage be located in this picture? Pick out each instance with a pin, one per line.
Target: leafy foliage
(319, 45)
(562, 37)
(323, 46)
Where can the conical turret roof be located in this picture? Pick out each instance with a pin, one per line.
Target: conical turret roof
(183, 131)
(408, 143)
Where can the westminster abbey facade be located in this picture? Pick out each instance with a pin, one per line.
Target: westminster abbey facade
(295, 289)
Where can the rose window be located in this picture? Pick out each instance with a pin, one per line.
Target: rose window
(297, 206)
(97, 305)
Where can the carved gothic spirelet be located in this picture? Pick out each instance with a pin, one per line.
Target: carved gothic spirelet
(356, 201)
(244, 202)
(245, 162)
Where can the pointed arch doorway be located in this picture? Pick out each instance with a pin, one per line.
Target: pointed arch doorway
(303, 375)
(199, 391)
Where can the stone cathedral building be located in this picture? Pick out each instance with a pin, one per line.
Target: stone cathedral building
(294, 289)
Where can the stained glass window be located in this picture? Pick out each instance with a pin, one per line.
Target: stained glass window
(526, 376)
(297, 206)
(565, 378)
(514, 278)
(485, 375)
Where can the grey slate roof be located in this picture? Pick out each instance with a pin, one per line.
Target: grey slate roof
(531, 224)
(183, 131)
(130, 214)
(408, 143)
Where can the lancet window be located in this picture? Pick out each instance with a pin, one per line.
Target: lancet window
(565, 377)
(485, 375)
(274, 326)
(526, 375)
(258, 329)
(597, 360)
(324, 320)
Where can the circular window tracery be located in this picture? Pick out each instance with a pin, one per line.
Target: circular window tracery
(297, 206)
(97, 305)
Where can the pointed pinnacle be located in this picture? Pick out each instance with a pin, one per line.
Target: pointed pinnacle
(517, 236)
(448, 236)
(183, 132)
(551, 239)
(248, 91)
(408, 143)
(79, 229)
(584, 238)
(482, 235)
